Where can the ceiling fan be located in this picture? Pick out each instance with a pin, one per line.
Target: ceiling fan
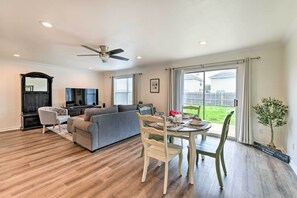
(104, 54)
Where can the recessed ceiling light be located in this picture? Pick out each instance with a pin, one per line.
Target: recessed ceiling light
(46, 24)
(16, 55)
(139, 57)
(203, 42)
(90, 68)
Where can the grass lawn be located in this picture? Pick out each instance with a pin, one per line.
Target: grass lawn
(215, 114)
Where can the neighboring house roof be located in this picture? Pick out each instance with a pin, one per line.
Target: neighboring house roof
(192, 77)
(224, 74)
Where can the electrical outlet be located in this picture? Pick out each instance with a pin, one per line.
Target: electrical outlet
(293, 146)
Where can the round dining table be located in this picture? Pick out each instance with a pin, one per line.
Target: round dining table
(189, 132)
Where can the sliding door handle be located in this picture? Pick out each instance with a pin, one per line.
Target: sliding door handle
(235, 103)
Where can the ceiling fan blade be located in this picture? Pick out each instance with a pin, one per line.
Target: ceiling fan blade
(119, 58)
(90, 48)
(115, 51)
(88, 55)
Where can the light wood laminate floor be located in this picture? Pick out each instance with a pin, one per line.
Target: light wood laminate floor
(33, 164)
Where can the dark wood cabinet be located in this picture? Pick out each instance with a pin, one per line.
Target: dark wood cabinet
(36, 92)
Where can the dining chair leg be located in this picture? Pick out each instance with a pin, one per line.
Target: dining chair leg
(142, 151)
(159, 163)
(223, 162)
(218, 168)
(165, 178)
(180, 163)
(43, 129)
(197, 158)
(203, 138)
(145, 165)
(188, 158)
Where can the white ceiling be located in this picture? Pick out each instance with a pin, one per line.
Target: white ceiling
(158, 30)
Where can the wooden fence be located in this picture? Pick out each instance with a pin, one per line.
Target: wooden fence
(211, 99)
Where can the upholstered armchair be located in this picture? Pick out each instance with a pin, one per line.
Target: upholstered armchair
(52, 116)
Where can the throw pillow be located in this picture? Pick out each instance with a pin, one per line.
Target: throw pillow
(99, 111)
(127, 108)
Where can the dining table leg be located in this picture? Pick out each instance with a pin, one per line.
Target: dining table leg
(192, 157)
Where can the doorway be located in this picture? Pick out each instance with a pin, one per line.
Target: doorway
(215, 92)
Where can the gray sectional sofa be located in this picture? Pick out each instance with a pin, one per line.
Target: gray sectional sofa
(102, 127)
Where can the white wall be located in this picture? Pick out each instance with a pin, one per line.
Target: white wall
(10, 87)
(291, 93)
(158, 99)
(267, 80)
(223, 84)
(193, 86)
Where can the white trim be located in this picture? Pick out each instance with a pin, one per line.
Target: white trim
(9, 129)
(294, 167)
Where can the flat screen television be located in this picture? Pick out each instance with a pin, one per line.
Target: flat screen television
(81, 97)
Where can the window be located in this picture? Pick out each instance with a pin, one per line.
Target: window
(91, 96)
(123, 90)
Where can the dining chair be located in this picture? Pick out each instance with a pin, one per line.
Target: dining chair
(215, 149)
(195, 109)
(148, 109)
(159, 150)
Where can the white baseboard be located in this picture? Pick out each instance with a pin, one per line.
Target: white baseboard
(294, 167)
(9, 129)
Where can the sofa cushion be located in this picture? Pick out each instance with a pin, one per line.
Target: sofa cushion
(127, 108)
(99, 111)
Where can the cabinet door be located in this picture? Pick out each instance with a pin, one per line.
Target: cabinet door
(31, 122)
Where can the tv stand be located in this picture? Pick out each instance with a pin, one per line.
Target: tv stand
(79, 110)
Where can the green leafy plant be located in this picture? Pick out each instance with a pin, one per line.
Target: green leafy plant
(271, 113)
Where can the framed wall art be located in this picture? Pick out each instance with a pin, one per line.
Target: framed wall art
(155, 85)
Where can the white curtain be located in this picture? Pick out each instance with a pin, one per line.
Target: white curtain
(245, 130)
(175, 89)
(136, 88)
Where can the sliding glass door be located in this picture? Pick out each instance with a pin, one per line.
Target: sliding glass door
(215, 92)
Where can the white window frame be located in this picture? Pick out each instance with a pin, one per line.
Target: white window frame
(127, 88)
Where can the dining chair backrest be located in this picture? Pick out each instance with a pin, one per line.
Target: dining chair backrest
(146, 130)
(225, 131)
(146, 109)
(195, 108)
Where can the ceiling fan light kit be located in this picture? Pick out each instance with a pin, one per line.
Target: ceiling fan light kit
(104, 54)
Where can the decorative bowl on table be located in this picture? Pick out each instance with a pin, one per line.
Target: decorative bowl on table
(188, 116)
(197, 122)
(169, 124)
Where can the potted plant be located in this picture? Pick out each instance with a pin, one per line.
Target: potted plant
(271, 113)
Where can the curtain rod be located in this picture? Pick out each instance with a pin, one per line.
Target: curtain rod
(215, 63)
(125, 75)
